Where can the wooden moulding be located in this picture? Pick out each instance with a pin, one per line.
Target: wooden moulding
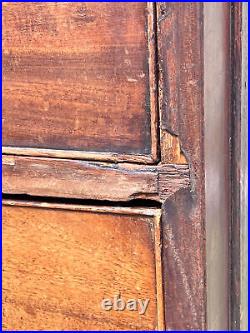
(239, 174)
(180, 57)
(67, 154)
(66, 223)
(96, 153)
(91, 180)
(179, 187)
(140, 211)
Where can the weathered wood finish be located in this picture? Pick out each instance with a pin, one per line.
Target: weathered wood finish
(239, 232)
(59, 263)
(236, 160)
(180, 31)
(79, 78)
(91, 180)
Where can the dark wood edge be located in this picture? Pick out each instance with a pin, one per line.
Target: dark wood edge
(236, 158)
(239, 311)
(244, 172)
(153, 81)
(180, 56)
(181, 103)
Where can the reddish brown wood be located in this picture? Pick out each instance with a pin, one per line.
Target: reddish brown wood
(60, 261)
(180, 30)
(79, 77)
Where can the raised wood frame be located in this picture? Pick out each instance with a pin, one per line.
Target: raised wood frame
(180, 40)
(196, 220)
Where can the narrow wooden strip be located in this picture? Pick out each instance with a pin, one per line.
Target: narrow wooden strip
(85, 208)
(74, 154)
(158, 268)
(180, 57)
(88, 180)
(153, 80)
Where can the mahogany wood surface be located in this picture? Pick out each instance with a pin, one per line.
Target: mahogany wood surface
(79, 77)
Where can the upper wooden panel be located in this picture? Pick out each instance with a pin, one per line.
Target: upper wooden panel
(61, 261)
(78, 79)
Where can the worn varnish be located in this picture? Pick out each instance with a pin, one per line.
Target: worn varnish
(239, 233)
(79, 78)
(180, 33)
(60, 261)
(91, 180)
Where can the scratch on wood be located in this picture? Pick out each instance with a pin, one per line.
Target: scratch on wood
(8, 161)
(181, 269)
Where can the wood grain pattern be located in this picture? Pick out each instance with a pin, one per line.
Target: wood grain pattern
(239, 171)
(180, 81)
(91, 180)
(79, 78)
(59, 262)
(180, 51)
(236, 165)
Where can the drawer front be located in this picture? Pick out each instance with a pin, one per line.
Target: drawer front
(78, 79)
(61, 261)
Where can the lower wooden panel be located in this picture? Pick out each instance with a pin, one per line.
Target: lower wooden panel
(61, 261)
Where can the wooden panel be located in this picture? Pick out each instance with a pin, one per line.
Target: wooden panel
(79, 77)
(91, 180)
(60, 261)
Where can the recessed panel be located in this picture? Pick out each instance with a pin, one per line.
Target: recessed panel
(61, 262)
(78, 78)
